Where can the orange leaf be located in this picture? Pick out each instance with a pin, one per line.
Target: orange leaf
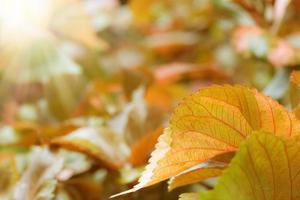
(199, 174)
(142, 149)
(213, 121)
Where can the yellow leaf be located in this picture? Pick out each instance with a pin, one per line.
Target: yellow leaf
(266, 167)
(213, 121)
(204, 171)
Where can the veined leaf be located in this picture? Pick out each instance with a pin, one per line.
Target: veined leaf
(213, 121)
(266, 167)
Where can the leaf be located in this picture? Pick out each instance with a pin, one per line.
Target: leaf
(63, 93)
(130, 175)
(8, 174)
(99, 98)
(81, 188)
(296, 111)
(265, 167)
(202, 172)
(74, 164)
(142, 149)
(134, 78)
(130, 122)
(136, 118)
(98, 143)
(213, 121)
(17, 136)
(38, 181)
(165, 97)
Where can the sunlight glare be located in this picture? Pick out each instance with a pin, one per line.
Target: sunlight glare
(22, 21)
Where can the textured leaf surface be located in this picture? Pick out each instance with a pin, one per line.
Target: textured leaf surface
(213, 121)
(204, 171)
(266, 167)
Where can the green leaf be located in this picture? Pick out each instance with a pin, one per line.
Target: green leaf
(266, 167)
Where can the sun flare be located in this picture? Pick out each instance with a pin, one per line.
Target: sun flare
(22, 21)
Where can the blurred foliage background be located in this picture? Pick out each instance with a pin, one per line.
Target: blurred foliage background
(87, 86)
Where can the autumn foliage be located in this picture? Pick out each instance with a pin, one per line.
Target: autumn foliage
(148, 99)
